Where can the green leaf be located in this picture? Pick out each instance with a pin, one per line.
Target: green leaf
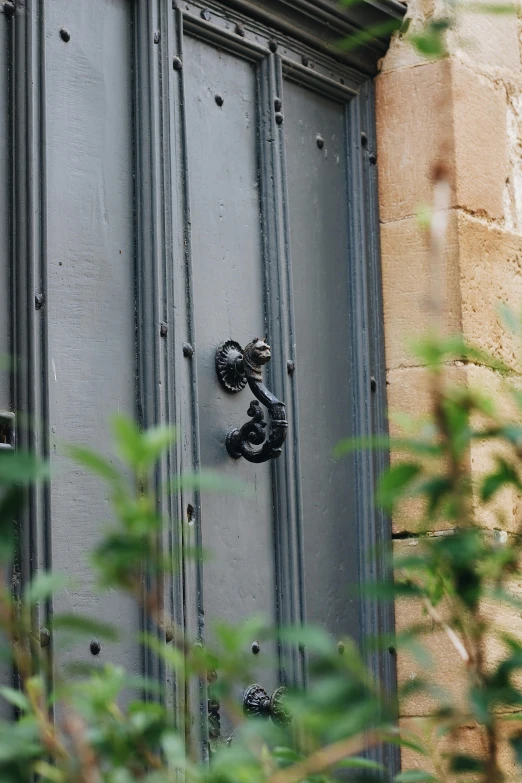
(516, 743)
(82, 624)
(349, 445)
(357, 762)
(19, 467)
(431, 41)
(368, 35)
(16, 698)
(414, 776)
(94, 462)
(505, 474)
(395, 481)
(44, 585)
(128, 439)
(285, 754)
(315, 639)
(435, 489)
(461, 762)
(48, 772)
(500, 9)
(208, 481)
(10, 503)
(157, 439)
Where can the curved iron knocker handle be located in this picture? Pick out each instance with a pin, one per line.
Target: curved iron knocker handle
(235, 368)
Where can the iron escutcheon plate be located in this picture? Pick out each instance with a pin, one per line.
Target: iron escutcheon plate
(256, 702)
(229, 366)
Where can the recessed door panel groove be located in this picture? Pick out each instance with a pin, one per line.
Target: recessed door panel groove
(315, 151)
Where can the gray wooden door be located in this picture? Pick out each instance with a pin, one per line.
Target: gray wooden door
(185, 174)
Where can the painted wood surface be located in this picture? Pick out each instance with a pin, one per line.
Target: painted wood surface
(5, 298)
(316, 167)
(90, 279)
(185, 182)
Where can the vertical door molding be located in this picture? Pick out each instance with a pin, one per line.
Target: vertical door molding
(28, 264)
(167, 393)
(149, 261)
(6, 401)
(373, 527)
(280, 331)
(159, 235)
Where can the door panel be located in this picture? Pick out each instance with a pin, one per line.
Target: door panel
(239, 225)
(90, 279)
(228, 294)
(318, 223)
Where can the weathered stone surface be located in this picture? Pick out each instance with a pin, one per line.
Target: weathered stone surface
(491, 273)
(485, 39)
(469, 739)
(406, 286)
(480, 138)
(456, 109)
(446, 671)
(441, 111)
(414, 127)
(443, 667)
(409, 405)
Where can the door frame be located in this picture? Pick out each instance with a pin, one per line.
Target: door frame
(160, 358)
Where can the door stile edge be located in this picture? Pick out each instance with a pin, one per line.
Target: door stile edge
(385, 613)
(29, 286)
(193, 700)
(150, 285)
(369, 418)
(172, 595)
(286, 470)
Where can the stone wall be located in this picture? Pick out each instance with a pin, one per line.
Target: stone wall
(468, 108)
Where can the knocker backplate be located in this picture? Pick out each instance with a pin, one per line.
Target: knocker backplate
(229, 366)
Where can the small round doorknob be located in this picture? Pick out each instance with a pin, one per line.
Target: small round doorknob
(257, 703)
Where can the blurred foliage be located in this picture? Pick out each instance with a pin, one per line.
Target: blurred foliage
(458, 471)
(103, 724)
(91, 724)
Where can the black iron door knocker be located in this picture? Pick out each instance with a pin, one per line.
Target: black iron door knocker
(235, 368)
(257, 703)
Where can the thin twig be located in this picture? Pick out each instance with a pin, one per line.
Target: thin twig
(328, 756)
(452, 636)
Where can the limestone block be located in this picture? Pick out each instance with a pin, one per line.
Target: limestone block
(445, 670)
(486, 39)
(406, 279)
(469, 739)
(414, 127)
(437, 111)
(409, 407)
(481, 144)
(491, 273)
